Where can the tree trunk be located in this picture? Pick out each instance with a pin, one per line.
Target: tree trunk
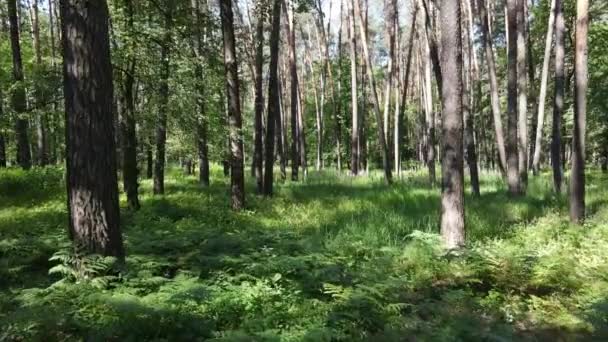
(201, 122)
(543, 91)
(486, 37)
(558, 102)
(513, 180)
(2, 139)
(467, 99)
(274, 109)
(235, 126)
(452, 194)
(92, 185)
(161, 124)
(577, 181)
(129, 139)
(149, 161)
(372, 81)
(354, 141)
(18, 98)
(258, 155)
(293, 74)
(522, 96)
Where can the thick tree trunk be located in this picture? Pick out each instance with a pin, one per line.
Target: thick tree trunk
(543, 91)
(388, 177)
(452, 193)
(354, 141)
(558, 101)
(486, 36)
(513, 180)
(129, 139)
(577, 181)
(522, 95)
(274, 105)
(161, 123)
(92, 185)
(235, 125)
(18, 97)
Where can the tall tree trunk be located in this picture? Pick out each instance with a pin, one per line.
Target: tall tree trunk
(41, 134)
(18, 97)
(388, 177)
(235, 125)
(201, 122)
(452, 190)
(2, 138)
(390, 13)
(161, 124)
(274, 104)
(258, 155)
(577, 182)
(468, 113)
(354, 141)
(92, 185)
(522, 94)
(129, 139)
(486, 36)
(540, 121)
(149, 161)
(293, 73)
(558, 101)
(513, 180)
(427, 92)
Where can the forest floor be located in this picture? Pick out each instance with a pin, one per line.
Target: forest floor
(329, 259)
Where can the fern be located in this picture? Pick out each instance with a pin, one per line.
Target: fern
(76, 267)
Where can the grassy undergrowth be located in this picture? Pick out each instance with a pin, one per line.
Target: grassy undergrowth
(331, 259)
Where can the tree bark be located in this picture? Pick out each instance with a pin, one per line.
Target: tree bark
(235, 126)
(577, 181)
(2, 138)
(522, 95)
(354, 141)
(274, 104)
(372, 81)
(452, 194)
(486, 36)
(558, 101)
(18, 97)
(513, 180)
(92, 185)
(161, 124)
(201, 118)
(293, 74)
(467, 99)
(258, 156)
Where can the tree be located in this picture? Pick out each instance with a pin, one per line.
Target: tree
(486, 36)
(577, 182)
(127, 119)
(388, 177)
(543, 91)
(558, 101)
(273, 117)
(513, 179)
(2, 138)
(92, 185)
(18, 98)
(163, 96)
(522, 94)
(354, 142)
(452, 192)
(468, 101)
(293, 74)
(258, 157)
(237, 172)
(200, 42)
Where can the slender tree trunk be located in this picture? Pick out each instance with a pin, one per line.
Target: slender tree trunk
(486, 36)
(2, 138)
(293, 73)
(92, 185)
(273, 117)
(522, 95)
(427, 92)
(577, 182)
(18, 96)
(201, 122)
(513, 179)
(41, 134)
(149, 161)
(161, 124)
(237, 171)
(558, 102)
(258, 156)
(543, 91)
(129, 139)
(354, 141)
(452, 194)
(467, 100)
(372, 81)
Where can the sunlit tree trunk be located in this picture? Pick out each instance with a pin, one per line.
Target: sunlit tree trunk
(558, 101)
(237, 172)
(92, 185)
(577, 182)
(522, 95)
(18, 96)
(354, 141)
(467, 101)
(452, 190)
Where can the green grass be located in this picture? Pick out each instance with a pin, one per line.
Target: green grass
(330, 259)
